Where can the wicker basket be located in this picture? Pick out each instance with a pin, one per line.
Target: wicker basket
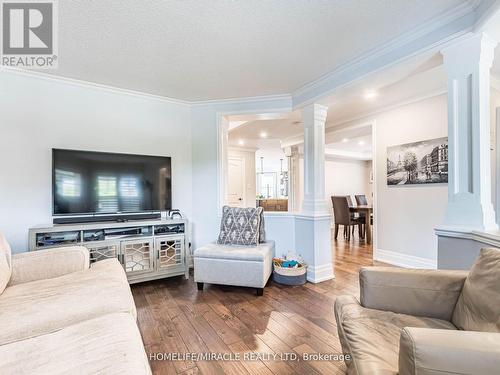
(290, 276)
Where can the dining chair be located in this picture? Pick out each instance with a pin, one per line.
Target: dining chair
(342, 216)
(349, 200)
(361, 200)
(353, 214)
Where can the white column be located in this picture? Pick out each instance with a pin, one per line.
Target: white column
(292, 153)
(313, 224)
(468, 64)
(314, 118)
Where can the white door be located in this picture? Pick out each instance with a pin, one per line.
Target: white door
(236, 182)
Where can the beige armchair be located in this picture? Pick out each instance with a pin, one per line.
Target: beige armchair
(424, 321)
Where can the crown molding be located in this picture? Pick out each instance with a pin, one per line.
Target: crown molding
(485, 13)
(91, 85)
(244, 100)
(494, 80)
(332, 154)
(87, 84)
(431, 35)
(386, 108)
(367, 117)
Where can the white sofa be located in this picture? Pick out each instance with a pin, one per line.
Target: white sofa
(58, 315)
(248, 266)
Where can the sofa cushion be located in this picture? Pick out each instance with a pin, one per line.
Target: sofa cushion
(232, 252)
(240, 226)
(5, 263)
(478, 307)
(371, 336)
(43, 306)
(110, 344)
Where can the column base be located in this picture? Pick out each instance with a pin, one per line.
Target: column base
(313, 243)
(318, 274)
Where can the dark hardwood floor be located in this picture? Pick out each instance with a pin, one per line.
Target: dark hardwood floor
(174, 317)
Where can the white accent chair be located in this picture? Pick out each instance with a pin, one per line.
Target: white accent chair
(248, 266)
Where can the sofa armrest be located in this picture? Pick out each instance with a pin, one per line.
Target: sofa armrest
(47, 264)
(429, 293)
(427, 351)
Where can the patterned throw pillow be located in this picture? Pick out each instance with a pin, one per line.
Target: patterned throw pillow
(240, 226)
(262, 228)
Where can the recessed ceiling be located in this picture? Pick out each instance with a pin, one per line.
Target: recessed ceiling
(279, 129)
(197, 50)
(351, 102)
(416, 79)
(353, 140)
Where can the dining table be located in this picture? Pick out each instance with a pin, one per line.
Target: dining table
(367, 210)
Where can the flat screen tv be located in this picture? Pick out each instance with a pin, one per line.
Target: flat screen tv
(85, 182)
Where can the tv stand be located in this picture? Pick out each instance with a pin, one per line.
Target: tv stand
(147, 249)
(119, 218)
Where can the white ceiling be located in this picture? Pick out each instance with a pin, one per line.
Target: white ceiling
(197, 50)
(250, 132)
(350, 140)
(391, 88)
(415, 79)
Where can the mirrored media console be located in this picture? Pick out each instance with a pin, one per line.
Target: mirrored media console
(147, 250)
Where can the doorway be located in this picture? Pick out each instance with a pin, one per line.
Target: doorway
(236, 182)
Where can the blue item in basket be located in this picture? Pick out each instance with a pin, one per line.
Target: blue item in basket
(289, 263)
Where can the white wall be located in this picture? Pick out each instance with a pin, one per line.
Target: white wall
(342, 177)
(271, 161)
(407, 215)
(368, 182)
(249, 158)
(274, 161)
(206, 210)
(37, 114)
(346, 177)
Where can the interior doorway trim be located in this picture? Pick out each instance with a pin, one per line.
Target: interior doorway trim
(375, 186)
(223, 147)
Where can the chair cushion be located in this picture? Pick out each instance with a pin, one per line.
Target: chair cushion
(251, 253)
(43, 306)
(371, 336)
(110, 344)
(478, 307)
(5, 263)
(240, 226)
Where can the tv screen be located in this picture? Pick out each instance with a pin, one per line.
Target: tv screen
(86, 182)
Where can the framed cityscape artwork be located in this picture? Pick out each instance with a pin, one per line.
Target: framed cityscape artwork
(424, 162)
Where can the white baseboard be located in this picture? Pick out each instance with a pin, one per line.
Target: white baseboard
(403, 260)
(319, 274)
